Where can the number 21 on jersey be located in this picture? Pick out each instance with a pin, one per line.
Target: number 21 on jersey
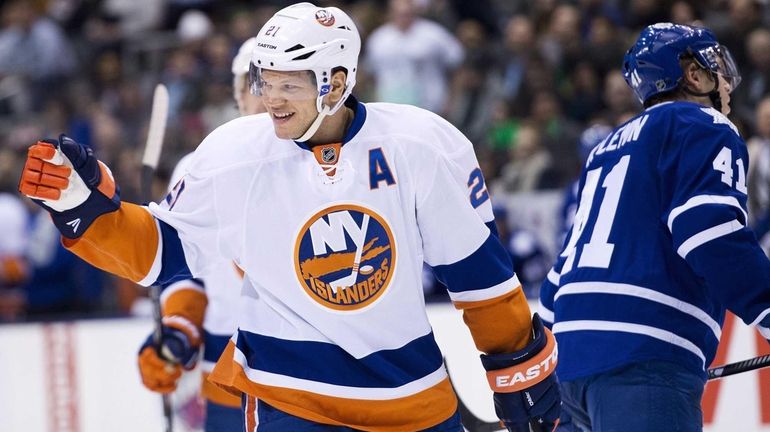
(598, 251)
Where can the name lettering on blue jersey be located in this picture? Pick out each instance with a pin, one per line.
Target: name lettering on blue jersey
(379, 170)
(720, 118)
(344, 257)
(626, 134)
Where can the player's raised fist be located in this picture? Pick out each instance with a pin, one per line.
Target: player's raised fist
(66, 179)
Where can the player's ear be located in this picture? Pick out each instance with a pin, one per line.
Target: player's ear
(338, 87)
(696, 78)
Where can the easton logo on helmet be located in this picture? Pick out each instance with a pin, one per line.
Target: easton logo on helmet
(324, 18)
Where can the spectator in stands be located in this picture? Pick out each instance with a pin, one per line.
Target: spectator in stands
(529, 165)
(518, 47)
(558, 133)
(410, 58)
(34, 47)
(759, 171)
(562, 44)
(756, 79)
(475, 86)
(618, 98)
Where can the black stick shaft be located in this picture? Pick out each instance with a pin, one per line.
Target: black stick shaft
(739, 367)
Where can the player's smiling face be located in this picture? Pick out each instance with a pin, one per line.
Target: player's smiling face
(290, 99)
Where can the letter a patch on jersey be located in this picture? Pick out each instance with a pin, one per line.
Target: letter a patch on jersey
(344, 257)
(379, 170)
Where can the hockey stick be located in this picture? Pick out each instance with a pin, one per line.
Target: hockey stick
(470, 422)
(152, 148)
(351, 279)
(739, 367)
(475, 424)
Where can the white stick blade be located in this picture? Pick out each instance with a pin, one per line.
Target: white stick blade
(157, 127)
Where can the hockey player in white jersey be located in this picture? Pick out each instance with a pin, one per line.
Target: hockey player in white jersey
(330, 206)
(659, 249)
(223, 281)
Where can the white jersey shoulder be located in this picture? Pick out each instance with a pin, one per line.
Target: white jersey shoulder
(416, 125)
(240, 143)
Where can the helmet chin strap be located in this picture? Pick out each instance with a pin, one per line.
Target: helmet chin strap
(315, 125)
(713, 94)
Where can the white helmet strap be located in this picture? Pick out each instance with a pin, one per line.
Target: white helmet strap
(315, 125)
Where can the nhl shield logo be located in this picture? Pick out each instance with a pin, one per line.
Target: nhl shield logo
(324, 17)
(345, 257)
(329, 155)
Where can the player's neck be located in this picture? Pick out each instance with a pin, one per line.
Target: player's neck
(333, 127)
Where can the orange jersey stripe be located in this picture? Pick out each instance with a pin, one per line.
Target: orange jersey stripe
(216, 394)
(499, 325)
(123, 242)
(419, 411)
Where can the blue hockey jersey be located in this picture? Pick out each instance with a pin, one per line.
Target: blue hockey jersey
(659, 248)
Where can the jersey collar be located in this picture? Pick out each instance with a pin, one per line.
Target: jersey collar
(359, 117)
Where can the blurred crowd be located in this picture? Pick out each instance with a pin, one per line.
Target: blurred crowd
(522, 79)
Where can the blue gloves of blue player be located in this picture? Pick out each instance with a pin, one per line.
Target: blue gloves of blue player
(526, 391)
(66, 179)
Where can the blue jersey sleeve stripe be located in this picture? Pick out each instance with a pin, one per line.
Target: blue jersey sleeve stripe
(545, 313)
(553, 277)
(328, 363)
(614, 326)
(708, 235)
(702, 200)
(488, 266)
(762, 318)
(173, 265)
(647, 294)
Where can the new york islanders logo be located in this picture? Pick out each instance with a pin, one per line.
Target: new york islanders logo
(325, 18)
(344, 257)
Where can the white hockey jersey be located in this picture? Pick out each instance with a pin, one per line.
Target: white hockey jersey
(332, 324)
(223, 282)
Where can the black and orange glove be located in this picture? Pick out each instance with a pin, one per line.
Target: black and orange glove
(161, 364)
(524, 384)
(67, 180)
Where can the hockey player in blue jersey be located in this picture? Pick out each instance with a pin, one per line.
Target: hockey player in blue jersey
(659, 249)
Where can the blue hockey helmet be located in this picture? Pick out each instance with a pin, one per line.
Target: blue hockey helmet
(652, 66)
